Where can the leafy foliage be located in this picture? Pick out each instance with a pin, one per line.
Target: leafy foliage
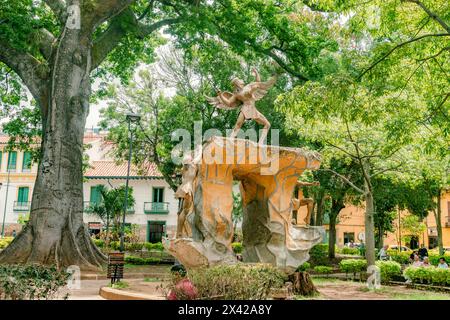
(353, 265)
(31, 282)
(235, 282)
(389, 269)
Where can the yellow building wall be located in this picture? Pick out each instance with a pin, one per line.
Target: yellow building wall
(351, 219)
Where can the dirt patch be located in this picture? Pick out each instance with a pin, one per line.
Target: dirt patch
(149, 288)
(348, 291)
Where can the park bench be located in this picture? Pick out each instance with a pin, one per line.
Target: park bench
(116, 262)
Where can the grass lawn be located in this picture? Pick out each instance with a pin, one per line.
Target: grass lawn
(335, 289)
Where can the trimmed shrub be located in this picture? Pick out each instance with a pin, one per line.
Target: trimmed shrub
(319, 254)
(158, 246)
(418, 274)
(304, 267)
(115, 245)
(5, 242)
(428, 275)
(353, 266)
(141, 261)
(136, 246)
(237, 247)
(31, 282)
(232, 282)
(99, 242)
(352, 251)
(389, 269)
(323, 269)
(400, 257)
(440, 276)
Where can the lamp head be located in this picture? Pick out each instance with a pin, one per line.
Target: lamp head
(133, 117)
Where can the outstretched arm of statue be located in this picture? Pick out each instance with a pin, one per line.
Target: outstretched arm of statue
(227, 101)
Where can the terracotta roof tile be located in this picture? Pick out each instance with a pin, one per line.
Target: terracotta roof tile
(112, 169)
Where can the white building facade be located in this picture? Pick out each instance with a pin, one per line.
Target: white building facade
(154, 211)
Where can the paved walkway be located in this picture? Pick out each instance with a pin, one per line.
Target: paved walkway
(89, 290)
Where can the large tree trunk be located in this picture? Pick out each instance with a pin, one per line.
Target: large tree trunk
(370, 229)
(438, 215)
(336, 206)
(332, 236)
(303, 285)
(55, 233)
(320, 203)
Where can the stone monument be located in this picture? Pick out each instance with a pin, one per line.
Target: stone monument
(267, 176)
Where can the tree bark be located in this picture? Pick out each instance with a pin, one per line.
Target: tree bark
(332, 237)
(369, 229)
(320, 209)
(438, 215)
(303, 285)
(336, 206)
(55, 233)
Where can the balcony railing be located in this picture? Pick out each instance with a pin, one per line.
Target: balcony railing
(156, 207)
(21, 206)
(88, 207)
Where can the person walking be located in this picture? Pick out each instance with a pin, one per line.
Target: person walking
(383, 253)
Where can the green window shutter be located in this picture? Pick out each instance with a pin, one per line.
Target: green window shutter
(23, 194)
(12, 160)
(1, 157)
(95, 196)
(26, 165)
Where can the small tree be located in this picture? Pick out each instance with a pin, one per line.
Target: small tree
(412, 226)
(110, 208)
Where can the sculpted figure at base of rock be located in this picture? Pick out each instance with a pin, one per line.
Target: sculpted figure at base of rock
(301, 201)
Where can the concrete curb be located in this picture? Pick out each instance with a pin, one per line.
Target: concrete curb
(116, 294)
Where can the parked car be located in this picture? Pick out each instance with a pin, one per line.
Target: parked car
(403, 248)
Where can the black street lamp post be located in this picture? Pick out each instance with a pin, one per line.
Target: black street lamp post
(131, 117)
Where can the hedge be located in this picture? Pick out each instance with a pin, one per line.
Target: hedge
(428, 275)
(304, 267)
(141, 261)
(389, 270)
(400, 257)
(352, 251)
(135, 246)
(353, 266)
(323, 269)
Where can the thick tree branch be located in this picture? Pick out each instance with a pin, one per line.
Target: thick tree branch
(59, 8)
(28, 68)
(432, 14)
(105, 10)
(398, 47)
(45, 42)
(109, 39)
